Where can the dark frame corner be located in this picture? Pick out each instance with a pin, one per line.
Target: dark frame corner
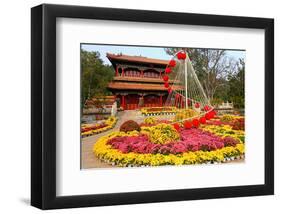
(43, 106)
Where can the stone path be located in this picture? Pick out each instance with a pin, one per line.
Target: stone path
(89, 160)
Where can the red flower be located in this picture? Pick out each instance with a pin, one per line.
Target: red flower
(177, 126)
(168, 70)
(172, 63)
(195, 122)
(187, 125)
(165, 78)
(202, 120)
(166, 84)
(197, 105)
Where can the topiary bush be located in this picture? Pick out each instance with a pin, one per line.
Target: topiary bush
(129, 125)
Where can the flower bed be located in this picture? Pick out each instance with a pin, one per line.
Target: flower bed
(190, 146)
(152, 111)
(225, 131)
(92, 129)
(236, 122)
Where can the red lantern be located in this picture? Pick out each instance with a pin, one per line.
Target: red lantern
(165, 78)
(169, 90)
(212, 113)
(202, 120)
(207, 108)
(187, 125)
(188, 102)
(172, 63)
(208, 116)
(166, 84)
(177, 96)
(177, 126)
(168, 70)
(195, 122)
(197, 105)
(179, 55)
(183, 55)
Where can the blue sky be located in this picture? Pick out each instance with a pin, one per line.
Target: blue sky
(151, 52)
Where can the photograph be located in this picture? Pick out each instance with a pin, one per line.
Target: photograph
(150, 106)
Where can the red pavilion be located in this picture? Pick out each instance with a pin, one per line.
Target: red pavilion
(138, 81)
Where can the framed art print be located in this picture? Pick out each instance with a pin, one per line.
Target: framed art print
(133, 106)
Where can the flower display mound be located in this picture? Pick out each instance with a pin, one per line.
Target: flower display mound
(191, 146)
(161, 133)
(129, 125)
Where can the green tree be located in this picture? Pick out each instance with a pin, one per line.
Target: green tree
(95, 76)
(236, 92)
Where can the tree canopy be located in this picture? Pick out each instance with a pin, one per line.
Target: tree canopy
(95, 76)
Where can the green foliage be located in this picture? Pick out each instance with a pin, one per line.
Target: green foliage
(236, 91)
(95, 76)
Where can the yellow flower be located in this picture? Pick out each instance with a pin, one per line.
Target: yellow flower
(105, 152)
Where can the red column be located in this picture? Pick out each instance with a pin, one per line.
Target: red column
(122, 72)
(123, 101)
(161, 101)
(116, 71)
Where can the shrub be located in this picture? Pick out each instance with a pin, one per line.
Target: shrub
(129, 125)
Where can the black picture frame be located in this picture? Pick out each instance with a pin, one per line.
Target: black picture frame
(43, 106)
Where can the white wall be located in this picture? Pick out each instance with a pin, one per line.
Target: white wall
(15, 104)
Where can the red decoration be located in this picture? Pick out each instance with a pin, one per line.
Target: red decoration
(212, 114)
(195, 122)
(166, 78)
(188, 102)
(197, 105)
(169, 90)
(202, 120)
(177, 126)
(207, 108)
(168, 70)
(166, 84)
(172, 63)
(208, 116)
(187, 125)
(181, 55)
(177, 96)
